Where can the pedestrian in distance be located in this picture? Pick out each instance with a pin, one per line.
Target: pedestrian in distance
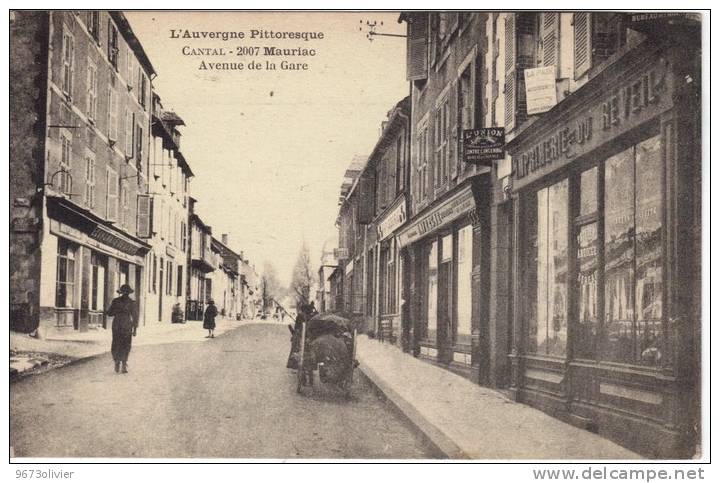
(124, 311)
(209, 319)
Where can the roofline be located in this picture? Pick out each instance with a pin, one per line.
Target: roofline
(132, 40)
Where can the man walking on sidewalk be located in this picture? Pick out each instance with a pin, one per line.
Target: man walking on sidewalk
(124, 326)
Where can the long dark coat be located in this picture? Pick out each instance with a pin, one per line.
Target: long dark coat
(209, 317)
(125, 321)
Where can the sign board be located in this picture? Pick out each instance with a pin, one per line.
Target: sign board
(340, 253)
(651, 20)
(446, 212)
(540, 89)
(392, 221)
(482, 146)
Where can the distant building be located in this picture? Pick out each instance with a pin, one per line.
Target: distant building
(201, 263)
(170, 174)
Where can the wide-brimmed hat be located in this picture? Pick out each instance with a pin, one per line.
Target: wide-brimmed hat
(125, 289)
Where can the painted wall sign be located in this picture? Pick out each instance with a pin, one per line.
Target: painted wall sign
(540, 89)
(392, 221)
(482, 146)
(24, 225)
(445, 213)
(630, 104)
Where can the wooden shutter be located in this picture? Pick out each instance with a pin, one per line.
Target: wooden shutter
(550, 35)
(112, 196)
(417, 47)
(582, 43)
(143, 216)
(510, 71)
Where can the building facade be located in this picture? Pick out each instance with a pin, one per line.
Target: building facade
(446, 241)
(388, 169)
(167, 269)
(606, 220)
(201, 262)
(226, 279)
(81, 101)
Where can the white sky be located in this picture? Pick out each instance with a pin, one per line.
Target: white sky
(268, 168)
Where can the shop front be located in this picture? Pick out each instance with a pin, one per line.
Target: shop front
(442, 253)
(606, 190)
(84, 262)
(389, 273)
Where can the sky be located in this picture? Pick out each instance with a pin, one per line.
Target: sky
(269, 148)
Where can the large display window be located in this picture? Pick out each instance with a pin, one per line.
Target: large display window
(609, 281)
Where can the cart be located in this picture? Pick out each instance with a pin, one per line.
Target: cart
(328, 344)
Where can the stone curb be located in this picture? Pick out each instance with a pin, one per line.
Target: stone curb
(440, 442)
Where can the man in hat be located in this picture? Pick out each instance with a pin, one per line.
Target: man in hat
(124, 326)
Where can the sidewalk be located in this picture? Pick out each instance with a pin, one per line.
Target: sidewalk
(26, 351)
(464, 420)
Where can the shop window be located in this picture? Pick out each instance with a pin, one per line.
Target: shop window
(123, 273)
(548, 330)
(65, 277)
(464, 283)
(586, 239)
(633, 255)
(432, 292)
(97, 297)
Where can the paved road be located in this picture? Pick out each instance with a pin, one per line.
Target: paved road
(230, 397)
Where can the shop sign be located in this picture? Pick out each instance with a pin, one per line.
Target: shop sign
(340, 253)
(392, 221)
(440, 216)
(661, 23)
(626, 106)
(482, 146)
(540, 89)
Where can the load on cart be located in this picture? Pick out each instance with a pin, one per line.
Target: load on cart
(323, 343)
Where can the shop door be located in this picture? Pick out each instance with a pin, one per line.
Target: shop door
(445, 301)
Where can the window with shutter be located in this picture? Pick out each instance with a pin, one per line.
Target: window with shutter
(111, 210)
(112, 115)
(68, 62)
(91, 90)
(417, 47)
(112, 44)
(129, 118)
(143, 216)
(510, 71)
(138, 146)
(582, 41)
(550, 36)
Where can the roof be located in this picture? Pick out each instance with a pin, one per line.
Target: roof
(132, 40)
(172, 118)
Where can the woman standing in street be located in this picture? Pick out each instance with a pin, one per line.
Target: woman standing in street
(124, 326)
(209, 319)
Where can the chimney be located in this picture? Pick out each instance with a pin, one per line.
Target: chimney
(224, 237)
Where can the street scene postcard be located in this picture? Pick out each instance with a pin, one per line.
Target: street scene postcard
(401, 235)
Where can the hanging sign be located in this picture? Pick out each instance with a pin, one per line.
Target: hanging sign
(482, 146)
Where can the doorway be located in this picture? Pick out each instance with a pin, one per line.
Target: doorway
(445, 330)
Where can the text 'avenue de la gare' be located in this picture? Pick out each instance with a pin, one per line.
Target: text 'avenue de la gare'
(218, 57)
